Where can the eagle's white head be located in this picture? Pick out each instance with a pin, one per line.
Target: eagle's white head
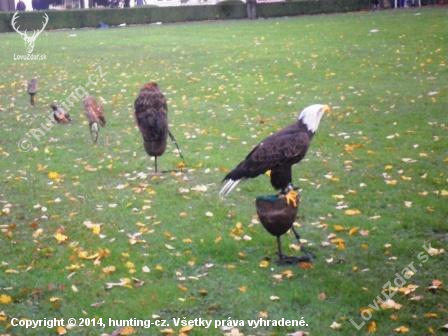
(312, 114)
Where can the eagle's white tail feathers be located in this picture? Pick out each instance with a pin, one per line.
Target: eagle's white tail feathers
(228, 187)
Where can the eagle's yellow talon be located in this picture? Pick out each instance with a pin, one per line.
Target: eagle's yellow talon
(291, 198)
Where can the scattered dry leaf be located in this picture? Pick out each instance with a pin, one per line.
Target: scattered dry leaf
(299, 333)
(371, 328)
(402, 330)
(352, 212)
(61, 330)
(390, 304)
(5, 299)
(435, 285)
(264, 264)
(335, 325)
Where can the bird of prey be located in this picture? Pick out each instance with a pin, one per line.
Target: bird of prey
(32, 90)
(60, 115)
(95, 116)
(151, 115)
(277, 153)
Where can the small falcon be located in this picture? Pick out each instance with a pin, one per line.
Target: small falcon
(32, 90)
(95, 116)
(60, 115)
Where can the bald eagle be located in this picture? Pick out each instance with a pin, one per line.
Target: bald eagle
(278, 153)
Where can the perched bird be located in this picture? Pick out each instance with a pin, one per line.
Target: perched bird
(278, 153)
(151, 114)
(95, 115)
(32, 90)
(61, 116)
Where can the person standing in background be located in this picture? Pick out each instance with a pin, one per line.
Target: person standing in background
(251, 9)
(21, 6)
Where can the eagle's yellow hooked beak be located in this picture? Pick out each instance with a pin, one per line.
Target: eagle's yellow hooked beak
(326, 109)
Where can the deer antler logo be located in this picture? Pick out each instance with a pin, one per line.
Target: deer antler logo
(29, 40)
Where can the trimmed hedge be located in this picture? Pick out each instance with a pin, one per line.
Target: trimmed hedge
(144, 15)
(310, 7)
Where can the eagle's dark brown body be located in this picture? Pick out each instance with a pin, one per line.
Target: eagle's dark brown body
(277, 153)
(94, 111)
(151, 114)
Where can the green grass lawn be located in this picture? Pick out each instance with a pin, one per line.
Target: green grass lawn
(382, 154)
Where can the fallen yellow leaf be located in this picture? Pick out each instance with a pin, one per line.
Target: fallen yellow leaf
(435, 252)
(109, 269)
(352, 212)
(60, 237)
(288, 274)
(435, 284)
(390, 304)
(61, 330)
(335, 325)
(5, 299)
(127, 331)
(431, 315)
(338, 228)
(264, 264)
(371, 327)
(96, 229)
(263, 314)
(186, 329)
(167, 331)
(54, 176)
(353, 231)
(306, 265)
(402, 330)
(182, 288)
